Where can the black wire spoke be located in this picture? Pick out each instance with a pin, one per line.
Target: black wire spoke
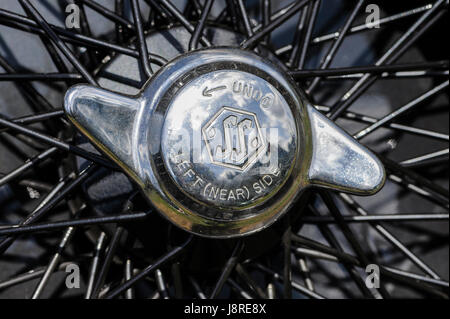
(425, 192)
(57, 143)
(161, 284)
(56, 58)
(58, 42)
(394, 75)
(340, 256)
(164, 14)
(254, 40)
(326, 61)
(32, 95)
(398, 127)
(30, 275)
(416, 183)
(35, 118)
(103, 271)
(438, 157)
(240, 290)
(119, 10)
(141, 38)
(232, 13)
(58, 225)
(53, 264)
(25, 24)
(266, 11)
(228, 268)
(245, 276)
(108, 14)
(331, 238)
(379, 218)
(296, 46)
(360, 28)
(157, 264)
(393, 53)
(418, 67)
(85, 29)
(426, 285)
(245, 18)
(310, 22)
(6, 178)
(35, 184)
(305, 272)
(180, 18)
(301, 289)
(198, 290)
(382, 21)
(98, 252)
(414, 103)
(58, 193)
(40, 77)
(269, 17)
(128, 272)
(177, 278)
(391, 238)
(287, 269)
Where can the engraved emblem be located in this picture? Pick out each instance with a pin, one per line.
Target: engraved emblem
(233, 138)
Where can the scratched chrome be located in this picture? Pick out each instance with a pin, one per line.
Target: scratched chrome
(222, 142)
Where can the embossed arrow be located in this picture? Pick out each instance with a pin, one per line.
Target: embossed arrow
(207, 92)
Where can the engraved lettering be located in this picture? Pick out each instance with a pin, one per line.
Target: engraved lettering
(231, 195)
(223, 194)
(267, 179)
(248, 192)
(248, 90)
(205, 189)
(239, 193)
(189, 173)
(262, 184)
(257, 188)
(267, 101)
(257, 94)
(198, 180)
(237, 87)
(183, 165)
(214, 192)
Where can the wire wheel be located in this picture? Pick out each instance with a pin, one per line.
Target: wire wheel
(65, 207)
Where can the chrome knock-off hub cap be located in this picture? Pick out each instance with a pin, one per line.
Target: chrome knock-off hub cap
(222, 142)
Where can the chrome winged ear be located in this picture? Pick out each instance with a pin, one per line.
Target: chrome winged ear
(339, 161)
(222, 142)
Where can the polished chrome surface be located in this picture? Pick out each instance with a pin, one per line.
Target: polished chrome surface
(222, 141)
(106, 117)
(229, 139)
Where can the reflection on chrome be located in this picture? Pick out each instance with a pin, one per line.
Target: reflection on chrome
(222, 142)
